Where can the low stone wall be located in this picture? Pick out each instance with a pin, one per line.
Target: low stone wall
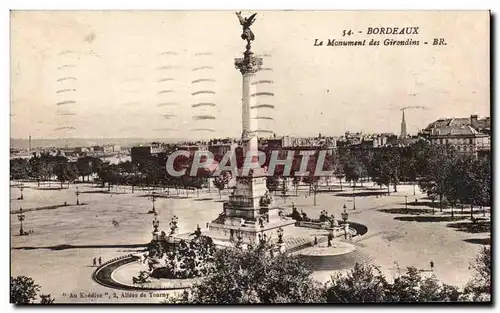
(103, 275)
(359, 228)
(249, 234)
(337, 231)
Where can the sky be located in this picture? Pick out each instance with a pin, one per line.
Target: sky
(129, 73)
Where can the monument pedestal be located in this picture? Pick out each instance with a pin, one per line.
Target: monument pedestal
(250, 210)
(248, 231)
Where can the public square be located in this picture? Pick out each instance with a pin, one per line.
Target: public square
(58, 254)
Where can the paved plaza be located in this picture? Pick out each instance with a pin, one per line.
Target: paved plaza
(59, 253)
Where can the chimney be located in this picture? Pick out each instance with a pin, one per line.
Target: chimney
(473, 120)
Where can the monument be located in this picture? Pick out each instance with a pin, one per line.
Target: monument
(250, 210)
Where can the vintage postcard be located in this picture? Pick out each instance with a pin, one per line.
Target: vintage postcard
(250, 157)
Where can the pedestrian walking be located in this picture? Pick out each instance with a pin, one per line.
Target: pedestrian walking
(94, 262)
(432, 265)
(100, 261)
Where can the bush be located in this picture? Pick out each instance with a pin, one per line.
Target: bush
(23, 290)
(254, 276)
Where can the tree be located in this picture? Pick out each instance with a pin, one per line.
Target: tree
(409, 165)
(436, 174)
(40, 169)
(386, 167)
(19, 168)
(197, 183)
(254, 276)
(380, 171)
(272, 183)
(295, 183)
(329, 165)
(363, 283)
(412, 287)
(339, 174)
(352, 171)
(23, 290)
(151, 169)
(88, 165)
(284, 189)
(108, 173)
(482, 183)
(479, 287)
(455, 183)
(46, 299)
(221, 181)
(64, 170)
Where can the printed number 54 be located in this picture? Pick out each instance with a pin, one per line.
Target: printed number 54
(347, 32)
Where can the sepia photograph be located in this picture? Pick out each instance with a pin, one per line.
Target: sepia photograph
(250, 157)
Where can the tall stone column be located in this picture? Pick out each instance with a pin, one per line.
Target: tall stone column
(248, 122)
(250, 209)
(248, 66)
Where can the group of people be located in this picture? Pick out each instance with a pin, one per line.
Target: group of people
(94, 262)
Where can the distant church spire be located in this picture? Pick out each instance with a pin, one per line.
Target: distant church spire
(403, 126)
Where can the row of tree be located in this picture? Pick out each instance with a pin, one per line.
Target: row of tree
(440, 171)
(254, 276)
(147, 173)
(44, 168)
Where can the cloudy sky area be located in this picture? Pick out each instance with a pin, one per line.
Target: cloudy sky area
(126, 86)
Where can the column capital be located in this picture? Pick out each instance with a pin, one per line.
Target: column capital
(248, 64)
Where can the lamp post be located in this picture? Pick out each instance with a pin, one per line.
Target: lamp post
(21, 217)
(173, 225)
(353, 198)
(345, 215)
(156, 224)
(262, 239)
(315, 189)
(239, 237)
(433, 206)
(153, 200)
(280, 235)
(77, 193)
(21, 189)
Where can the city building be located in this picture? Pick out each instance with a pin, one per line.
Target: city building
(98, 149)
(481, 125)
(147, 152)
(466, 135)
(141, 153)
(111, 148)
(81, 150)
(367, 141)
(219, 149)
